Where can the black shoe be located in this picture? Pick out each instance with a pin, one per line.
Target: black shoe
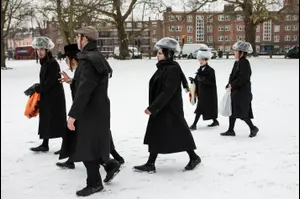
(192, 164)
(253, 132)
(112, 168)
(228, 133)
(40, 148)
(57, 152)
(89, 190)
(66, 165)
(120, 160)
(193, 127)
(145, 168)
(216, 123)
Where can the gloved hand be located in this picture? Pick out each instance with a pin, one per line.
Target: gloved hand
(192, 80)
(31, 89)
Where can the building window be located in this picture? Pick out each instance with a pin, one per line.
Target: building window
(178, 17)
(295, 27)
(227, 28)
(178, 38)
(171, 18)
(178, 28)
(227, 48)
(258, 48)
(220, 48)
(227, 38)
(221, 17)
(239, 18)
(294, 38)
(288, 17)
(220, 28)
(199, 28)
(267, 33)
(240, 38)
(171, 28)
(276, 38)
(129, 25)
(277, 28)
(210, 19)
(209, 28)
(257, 38)
(295, 18)
(227, 18)
(239, 28)
(287, 28)
(287, 38)
(258, 28)
(154, 32)
(139, 25)
(190, 19)
(221, 38)
(286, 48)
(190, 28)
(190, 39)
(154, 40)
(210, 39)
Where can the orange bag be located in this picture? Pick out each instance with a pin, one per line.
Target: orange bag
(32, 109)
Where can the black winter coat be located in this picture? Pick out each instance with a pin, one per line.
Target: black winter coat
(241, 95)
(91, 106)
(207, 96)
(167, 130)
(52, 103)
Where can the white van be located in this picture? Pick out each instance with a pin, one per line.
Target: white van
(189, 49)
(133, 52)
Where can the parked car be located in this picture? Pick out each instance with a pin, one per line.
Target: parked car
(293, 52)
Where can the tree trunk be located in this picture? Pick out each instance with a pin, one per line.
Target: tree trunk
(3, 65)
(250, 35)
(123, 40)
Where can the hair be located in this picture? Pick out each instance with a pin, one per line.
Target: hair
(242, 53)
(71, 57)
(48, 55)
(89, 39)
(168, 53)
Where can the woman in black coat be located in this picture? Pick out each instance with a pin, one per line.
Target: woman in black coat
(206, 89)
(240, 85)
(167, 131)
(52, 104)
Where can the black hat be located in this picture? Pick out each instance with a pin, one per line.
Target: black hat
(71, 49)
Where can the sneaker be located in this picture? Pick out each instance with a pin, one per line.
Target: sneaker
(145, 168)
(228, 133)
(192, 164)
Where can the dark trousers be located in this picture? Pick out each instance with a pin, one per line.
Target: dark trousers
(93, 174)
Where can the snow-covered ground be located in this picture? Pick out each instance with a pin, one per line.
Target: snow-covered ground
(266, 167)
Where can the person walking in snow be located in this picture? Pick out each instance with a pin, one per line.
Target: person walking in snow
(206, 89)
(90, 112)
(52, 104)
(69, 140)
(240, 85)
(167, 131)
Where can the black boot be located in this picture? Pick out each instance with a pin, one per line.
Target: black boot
(66, 165)
(192, 164)
(228, 133)
(145, 168)
(253, 132)
(89, 190)
(193, 127)
(215, 123)
(117, 157)
(112, 168)
(40, 148)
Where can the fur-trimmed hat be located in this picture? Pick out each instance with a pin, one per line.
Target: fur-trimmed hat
(42, 42)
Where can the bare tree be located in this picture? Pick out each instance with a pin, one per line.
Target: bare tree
(13, 14)
(256, 12)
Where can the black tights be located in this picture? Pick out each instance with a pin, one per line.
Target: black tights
(45, 143)
(197, 117)
(232, 123)
(153, 156)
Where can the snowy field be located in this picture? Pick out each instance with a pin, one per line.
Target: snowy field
(266, 167)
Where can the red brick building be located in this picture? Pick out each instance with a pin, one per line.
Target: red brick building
(221, 31)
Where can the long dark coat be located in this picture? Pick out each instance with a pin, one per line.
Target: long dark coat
(91, 107)
(52, 104)
(167, 130)
(207, 96)
(241, 95)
